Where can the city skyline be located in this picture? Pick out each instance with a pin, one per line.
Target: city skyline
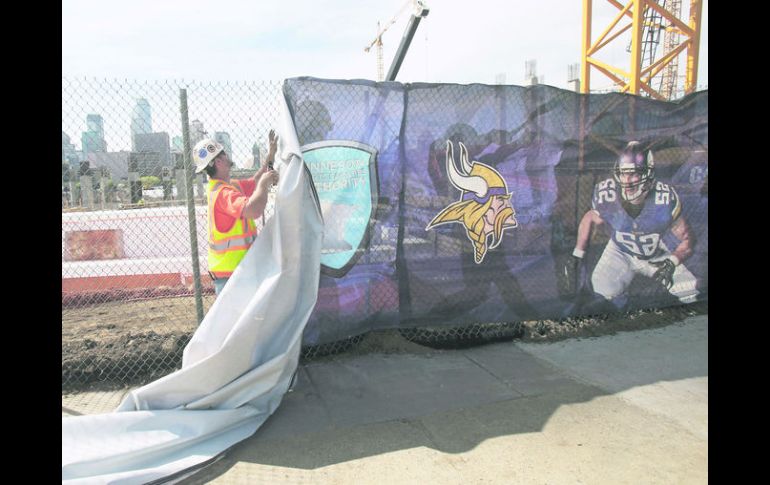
(128, 139)
(245, 111)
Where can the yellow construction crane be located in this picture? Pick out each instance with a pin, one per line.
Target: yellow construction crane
(419, 10)
(647, 17)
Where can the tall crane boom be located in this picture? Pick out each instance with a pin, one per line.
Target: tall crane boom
(419, 10)
(378, 42)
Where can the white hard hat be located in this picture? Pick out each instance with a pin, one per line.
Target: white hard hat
(205, 152)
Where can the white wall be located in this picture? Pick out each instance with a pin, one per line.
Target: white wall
(155, 240)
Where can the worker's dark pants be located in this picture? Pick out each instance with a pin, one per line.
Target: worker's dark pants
(219, 283)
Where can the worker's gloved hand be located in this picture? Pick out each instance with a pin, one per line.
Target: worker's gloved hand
(269, 178)
(272, 139)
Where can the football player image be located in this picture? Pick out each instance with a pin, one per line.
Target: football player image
(639, 211)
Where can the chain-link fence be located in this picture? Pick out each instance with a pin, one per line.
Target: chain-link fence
(134, 216)
(135, 281)
(551, 148)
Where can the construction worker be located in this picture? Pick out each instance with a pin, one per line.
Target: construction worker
(233, 205)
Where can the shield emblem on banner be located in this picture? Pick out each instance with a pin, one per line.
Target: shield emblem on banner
(345, 178)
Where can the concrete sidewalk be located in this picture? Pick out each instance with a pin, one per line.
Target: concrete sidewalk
(628, 408)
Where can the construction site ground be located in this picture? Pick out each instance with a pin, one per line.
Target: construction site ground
(620, 401)
(115, 344)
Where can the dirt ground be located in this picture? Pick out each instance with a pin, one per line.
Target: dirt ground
(116, 344)
(127, 341)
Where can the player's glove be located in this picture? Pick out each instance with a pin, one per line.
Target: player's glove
(665, 272)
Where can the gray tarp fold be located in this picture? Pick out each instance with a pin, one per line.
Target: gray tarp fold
(236, 368)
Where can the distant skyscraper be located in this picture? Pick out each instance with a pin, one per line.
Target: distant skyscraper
(141, 120)
(116, 163)
(223, 137)
(147, 163)
(157, 143)
(68, 152)
(95, 124)
(177, 144)
(92, 141)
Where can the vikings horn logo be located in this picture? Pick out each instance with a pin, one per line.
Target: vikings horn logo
(484, 207)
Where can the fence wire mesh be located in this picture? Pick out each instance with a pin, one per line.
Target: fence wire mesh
(128, 290)
(128, 295)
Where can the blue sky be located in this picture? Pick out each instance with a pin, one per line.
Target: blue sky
(459, 41)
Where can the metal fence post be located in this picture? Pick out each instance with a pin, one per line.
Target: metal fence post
(134, 184)
(191, 203)
(103, 181)
(87, 191)
(74, 194)
(166, 180)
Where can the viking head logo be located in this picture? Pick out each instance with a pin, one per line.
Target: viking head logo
(484, 207)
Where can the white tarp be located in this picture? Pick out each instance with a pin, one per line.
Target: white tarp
(238, 364)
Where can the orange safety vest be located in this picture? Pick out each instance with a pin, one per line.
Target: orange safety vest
(226, 249)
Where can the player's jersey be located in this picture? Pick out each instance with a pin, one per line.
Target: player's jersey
(640, 236)
(691, 174)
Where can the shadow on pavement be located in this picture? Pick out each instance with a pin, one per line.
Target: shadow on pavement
(353, 407)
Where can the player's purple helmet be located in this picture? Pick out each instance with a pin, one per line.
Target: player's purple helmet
(634, 172)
